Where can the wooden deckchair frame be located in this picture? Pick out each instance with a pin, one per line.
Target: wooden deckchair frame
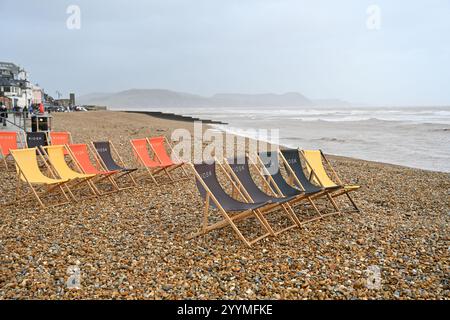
(19, 136)
(314, 196)
(121, 163)
(272, 186)
(336, 193)
(179, 164)
(228, 220)
(37, 193)
(77, 182)
(99, 176)
(156, 172)
(264, 210)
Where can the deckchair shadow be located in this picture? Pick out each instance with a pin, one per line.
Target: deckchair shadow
(28, 172)
(8, 142)
(231, 209)
(80, 154)
(238, 170)
(104, 151)
(318, 174)
(293, 165)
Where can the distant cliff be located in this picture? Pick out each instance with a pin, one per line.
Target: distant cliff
(159, 98)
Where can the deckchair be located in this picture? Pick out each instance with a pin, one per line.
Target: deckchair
(269, 163)
(8, 142)
(293, 165)
(319, 174)
(157, 146)
(55, 155)
(36, 139)
(28, 171)
(142, 158)
(60, 138)
(231, 209)
(238, 170)
(104, 151)
(80, 154)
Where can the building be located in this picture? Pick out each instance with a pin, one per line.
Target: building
(14, 85)
(38, 94)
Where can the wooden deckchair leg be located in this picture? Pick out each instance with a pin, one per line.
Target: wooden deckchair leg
(151, 176)
(37, 196)
(205, 213)
(333, 203)
(264, 221)
(353, 202)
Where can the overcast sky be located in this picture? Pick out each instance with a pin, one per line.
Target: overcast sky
(321, 48)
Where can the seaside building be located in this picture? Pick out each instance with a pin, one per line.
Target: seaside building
(15, 88)
(38, 94)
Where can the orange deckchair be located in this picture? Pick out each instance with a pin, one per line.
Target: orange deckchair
(142, 157)
(60, 139)
(157, 146)
(55, 155)
(318, 174)
(28, 171)
(80, 155)
(8, 142)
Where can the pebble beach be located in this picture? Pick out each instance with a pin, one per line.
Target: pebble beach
(133, 244)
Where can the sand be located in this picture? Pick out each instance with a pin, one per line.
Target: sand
(132, 244)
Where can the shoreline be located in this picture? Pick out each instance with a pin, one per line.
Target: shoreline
(423, 162)
(133, 244)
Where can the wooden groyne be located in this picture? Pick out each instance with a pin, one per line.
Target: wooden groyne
(176, 117)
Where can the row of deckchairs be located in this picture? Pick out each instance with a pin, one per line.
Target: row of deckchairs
(71, 165)
(274, 194)
(12, 140)
(151, 154)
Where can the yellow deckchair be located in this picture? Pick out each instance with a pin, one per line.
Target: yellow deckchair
(55, 155)
(28, 171)
(318, 174)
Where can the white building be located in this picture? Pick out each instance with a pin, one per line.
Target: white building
(14, 85)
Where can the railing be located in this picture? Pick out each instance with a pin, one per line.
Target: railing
(16, 115)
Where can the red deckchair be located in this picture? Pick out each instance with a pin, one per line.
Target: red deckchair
(60, 138)
(157, 146)
(142, 157)
(80, 154)
(8, 141)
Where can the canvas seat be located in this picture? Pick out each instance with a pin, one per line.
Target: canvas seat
(29, 173)
(8, 142)
(55, 155)
(153, 166)
(292, 162)
(60, 139)
(319, 174)
(80, 153)
(104, 150)
(239, 172)
(232, 210)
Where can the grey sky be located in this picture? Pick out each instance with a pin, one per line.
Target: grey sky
(320, 48)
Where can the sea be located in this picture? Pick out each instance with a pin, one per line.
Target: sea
(417, 137)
